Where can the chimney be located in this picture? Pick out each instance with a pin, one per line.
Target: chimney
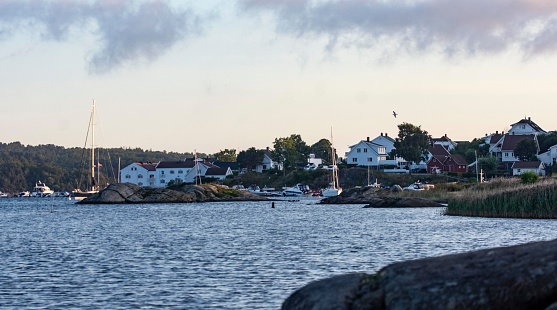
(381, 134)
(445, 135)
(528, 118)
(496, 132)
(367, 139)
(385, 134)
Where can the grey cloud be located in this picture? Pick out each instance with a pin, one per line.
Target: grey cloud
(448, 26)
(127, 31)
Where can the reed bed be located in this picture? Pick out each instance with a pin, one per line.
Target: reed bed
(507, 198)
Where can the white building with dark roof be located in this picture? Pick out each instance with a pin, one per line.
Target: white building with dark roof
(366, 153)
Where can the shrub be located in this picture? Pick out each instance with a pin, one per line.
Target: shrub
(529, 177)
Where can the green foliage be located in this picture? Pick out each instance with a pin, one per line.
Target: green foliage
(226, 155)
(546, 141)
(526, 149)
(529, 177)
(290, 150)
(488, 164)
(507, 198)
(412, 143)
(250, 158)
(60, 168)
(322, 149)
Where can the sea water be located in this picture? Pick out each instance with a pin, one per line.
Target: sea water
(238, 255)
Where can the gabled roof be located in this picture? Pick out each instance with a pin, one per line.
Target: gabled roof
(459, 160)
(495, 138)
(438, 150)
(213, 171)
(510, 141)
(528, 121)
(367, 143)
(527, 164)
(226, 164)
(147, 166)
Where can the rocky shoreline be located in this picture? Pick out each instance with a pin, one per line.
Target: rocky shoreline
(515, 277)
(377, 198)
(127, 193)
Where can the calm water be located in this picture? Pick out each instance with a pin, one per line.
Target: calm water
(216, 255)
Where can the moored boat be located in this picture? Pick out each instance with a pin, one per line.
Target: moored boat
(41, 190)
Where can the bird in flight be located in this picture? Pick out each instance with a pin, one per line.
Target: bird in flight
(394, 114)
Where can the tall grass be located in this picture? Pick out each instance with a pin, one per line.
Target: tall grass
(507, 198)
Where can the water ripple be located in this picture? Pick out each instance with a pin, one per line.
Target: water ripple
(217, 255)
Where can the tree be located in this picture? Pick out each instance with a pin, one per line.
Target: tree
(250, 158)
(488, 164)
(546, 141)
(226, 155)
(322, 149)
(412, 143)
(290, 150)
(526, 150)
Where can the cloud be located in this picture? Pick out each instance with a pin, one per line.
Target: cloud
(127, 31)
(449, 27)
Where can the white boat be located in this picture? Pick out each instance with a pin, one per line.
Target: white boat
(296, 190)
(92, 187)
(254, 189)
(41, 190)
(24, 194)
(333, 189)
(3, 195)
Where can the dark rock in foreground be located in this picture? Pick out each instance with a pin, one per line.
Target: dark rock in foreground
(375, 198)
(131, 193)
(516, 277)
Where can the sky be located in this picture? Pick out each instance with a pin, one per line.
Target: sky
(210, 75)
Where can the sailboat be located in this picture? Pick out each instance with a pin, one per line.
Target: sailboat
(334, 188)
(93, 186)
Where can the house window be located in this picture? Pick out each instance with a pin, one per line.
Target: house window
(180, 171)
(506, 154)
(163, 181)
(171, 171)
(354, 160)
(264, 167)
(358, 150)
(140, 184)
(128, 176)
(151, 176)
(369, 159)
(518, 170)
(140, 176)
(162, 172)
(365, 150)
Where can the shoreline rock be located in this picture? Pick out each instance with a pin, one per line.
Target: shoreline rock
(515, 277)
(375, 198)
(122, 193)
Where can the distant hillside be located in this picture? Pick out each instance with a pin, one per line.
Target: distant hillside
(59, 167)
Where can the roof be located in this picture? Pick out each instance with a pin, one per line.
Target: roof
(216, 171)
(495, 138)
(147, 166)
(527, 164)
(459, 160)
(227, 164)
(528, 121)
(510, 141)
(176, 164)
(438, 150)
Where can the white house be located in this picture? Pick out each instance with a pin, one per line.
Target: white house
(142, 174)
(267, 163)
(366, 153)
(503, 149)
(549, 158)
(386, 141)
(520, 167)
(526, 127)
(161, 173)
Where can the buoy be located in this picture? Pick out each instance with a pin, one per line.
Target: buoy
(273, 204)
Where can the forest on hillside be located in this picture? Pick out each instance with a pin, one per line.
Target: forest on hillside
(62, 168)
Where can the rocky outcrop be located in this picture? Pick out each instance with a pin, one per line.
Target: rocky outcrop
(377, 198)
(131, 193)
(516, 277)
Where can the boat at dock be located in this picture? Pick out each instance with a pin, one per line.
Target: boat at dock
(41, 190)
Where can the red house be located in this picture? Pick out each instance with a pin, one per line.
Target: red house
(442, 160)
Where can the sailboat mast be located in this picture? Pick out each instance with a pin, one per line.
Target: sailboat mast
(93, 146)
